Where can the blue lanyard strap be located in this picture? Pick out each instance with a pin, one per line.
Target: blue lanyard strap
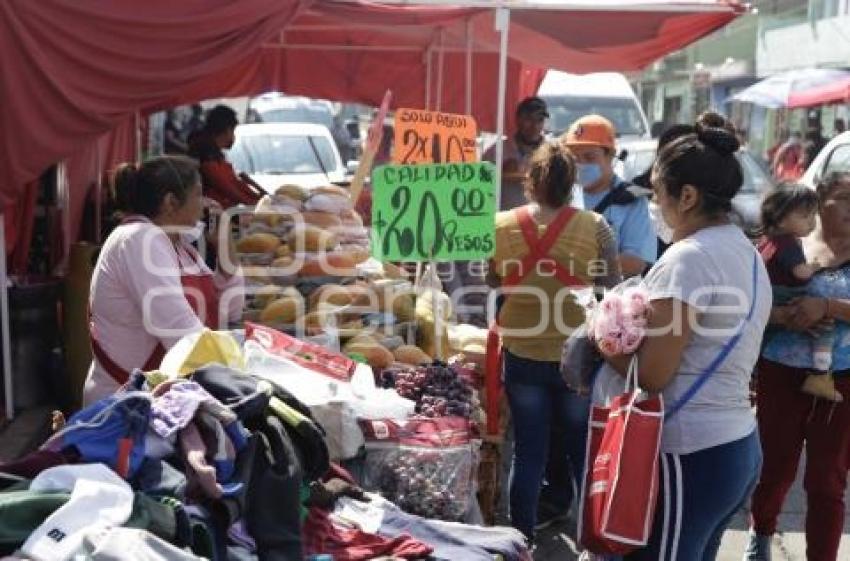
(724, 352)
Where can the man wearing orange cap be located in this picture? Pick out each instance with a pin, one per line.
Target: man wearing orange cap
(624, 206)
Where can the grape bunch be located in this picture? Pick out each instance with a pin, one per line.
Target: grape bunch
(419, 483)
(437, 389)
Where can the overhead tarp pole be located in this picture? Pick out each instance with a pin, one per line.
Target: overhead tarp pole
(138, 126)
(469, 46)
(441, 61)
(8, 385)
(428, 78)
(98, 194)
(503, 20)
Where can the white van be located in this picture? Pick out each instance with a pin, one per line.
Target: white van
(570, 96)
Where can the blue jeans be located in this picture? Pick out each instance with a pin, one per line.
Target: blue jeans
(698, 496)
(548, 419)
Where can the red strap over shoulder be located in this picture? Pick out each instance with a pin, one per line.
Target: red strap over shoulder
(538, 248)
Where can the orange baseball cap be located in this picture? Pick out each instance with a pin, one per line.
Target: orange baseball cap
(591, 130)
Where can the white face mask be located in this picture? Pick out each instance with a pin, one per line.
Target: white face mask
(662, 229)
(194, 233)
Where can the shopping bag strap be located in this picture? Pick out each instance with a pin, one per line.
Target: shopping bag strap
(724, 352)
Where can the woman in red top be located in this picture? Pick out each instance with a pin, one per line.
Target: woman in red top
(220, 181)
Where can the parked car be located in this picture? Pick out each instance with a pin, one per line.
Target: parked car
(835, 156)
(746, 206)
(279, 108)
(274, 154)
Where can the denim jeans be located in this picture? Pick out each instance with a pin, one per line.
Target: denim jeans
(547, 419)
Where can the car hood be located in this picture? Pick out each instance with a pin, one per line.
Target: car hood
(271, 181)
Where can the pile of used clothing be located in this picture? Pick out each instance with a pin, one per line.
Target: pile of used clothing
(210, 465)
(210, 462)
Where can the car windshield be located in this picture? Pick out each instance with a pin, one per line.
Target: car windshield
(756, 179)
(298, 114)
(279, 154)
(564, 110)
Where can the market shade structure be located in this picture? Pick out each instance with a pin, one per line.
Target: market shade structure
(74, 71)
(793, 88)
(834, 92)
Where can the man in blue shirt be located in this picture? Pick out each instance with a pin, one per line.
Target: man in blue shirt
(624, 206)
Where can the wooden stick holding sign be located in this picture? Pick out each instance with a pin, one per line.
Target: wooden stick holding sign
(435, 307)
(373, 142)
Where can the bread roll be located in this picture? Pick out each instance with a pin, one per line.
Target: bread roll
(335, 294)
(358, 253)
(330, 264)
(260, 242)
(403, 307)
(323, 220)
(266, 294)
(411, 354)
(283, 266)
(311, 239)
(361, 339)
(294, 192)
(393, 272)
(351, 219)
(330, 190)
(283, 310)
(283, 251)
(376, 355)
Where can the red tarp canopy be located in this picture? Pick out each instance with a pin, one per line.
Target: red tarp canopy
(837, 92)
(73, 71)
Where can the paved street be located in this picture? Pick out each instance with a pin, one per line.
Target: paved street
(789, 544)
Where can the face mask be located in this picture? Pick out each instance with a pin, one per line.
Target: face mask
(194, 233)
(588, 174)
(662, 228)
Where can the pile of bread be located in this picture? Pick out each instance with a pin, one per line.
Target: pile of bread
(301, 232)
(316, 238)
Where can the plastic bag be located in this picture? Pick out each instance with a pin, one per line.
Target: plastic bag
(199, 349)
(433, 312)
(580, 357)
(427, 467)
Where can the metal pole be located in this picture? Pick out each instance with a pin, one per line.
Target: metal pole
(441, 58)
(503, 19)
(138, 126)
(8, 385)
(64, 189)
(98, 194)
(428, 79)
(469, 47)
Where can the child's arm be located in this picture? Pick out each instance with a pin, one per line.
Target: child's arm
(805, 271)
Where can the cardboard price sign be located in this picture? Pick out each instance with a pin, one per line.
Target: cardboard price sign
(442, 212)
(431, 137)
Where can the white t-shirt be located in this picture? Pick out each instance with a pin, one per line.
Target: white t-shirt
(712, 272)
(137, 299)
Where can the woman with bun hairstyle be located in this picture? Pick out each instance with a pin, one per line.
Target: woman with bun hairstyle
(150, 287)
(543, 251)
(710, 300)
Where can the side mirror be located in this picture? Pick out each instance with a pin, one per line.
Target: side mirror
(351, 166)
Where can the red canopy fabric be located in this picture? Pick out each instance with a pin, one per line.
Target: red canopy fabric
(73, 71)
(837, 92)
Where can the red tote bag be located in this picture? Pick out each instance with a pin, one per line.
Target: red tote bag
(620, 484)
